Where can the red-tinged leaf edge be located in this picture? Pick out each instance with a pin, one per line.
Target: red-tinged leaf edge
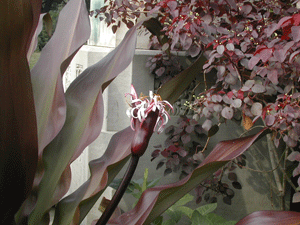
(271, 218)
(154, 201)
(103, 170)
(83, 124)
(18, 135)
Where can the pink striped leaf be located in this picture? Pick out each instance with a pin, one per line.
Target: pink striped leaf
(72, 31)
(83, 124)
(74, 207)
(271, 218)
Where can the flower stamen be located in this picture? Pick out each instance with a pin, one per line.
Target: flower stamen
(142, 106)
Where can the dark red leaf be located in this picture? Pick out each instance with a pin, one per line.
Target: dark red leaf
(18, 136)
(232, 176)
(159, 165)
(114, 28)
(155, 153)
(271, 218)
(227, 200)
(236, 185)
(167, 171)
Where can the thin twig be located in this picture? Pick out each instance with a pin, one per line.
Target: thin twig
(206, 144)
(273, 163)
(284, 179)
(261, 171)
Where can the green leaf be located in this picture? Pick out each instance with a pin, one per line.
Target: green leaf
(174, 215)
(208, 208)
(136, 195)
(208, 219)
(215, 219)
(144, 186)
(153, 183)
(185, 199)
(137, 185)
(169, 222)
(185, 211)
(158, 221)
(229, 223)
(198, 219)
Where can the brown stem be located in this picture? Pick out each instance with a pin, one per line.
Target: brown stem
(120, 191)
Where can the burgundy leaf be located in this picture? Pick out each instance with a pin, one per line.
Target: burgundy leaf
(265, 54)
(194, 51)
(296, 197)
(103, 170)
(296, 33)
(155, 153)
(159, 165)
(86, 112)
(233, 148)
(258, 88)
(256, 109)
(232, 176)
(165, 153)
(186, 138)
(253, 61)
(160, 71)
(18, 136)
(273, 76)
(271, 218)
(189, 129)
(295, 155)
(207, 125)
(232, 3)
(172, 5)
(47, 74)
(227, 113)
(156, 200)
(270, 119)
(182, 152)
(220, 49)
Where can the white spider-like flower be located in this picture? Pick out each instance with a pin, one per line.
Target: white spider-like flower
(140, 108)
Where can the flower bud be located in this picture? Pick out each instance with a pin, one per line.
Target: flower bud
(143, 133)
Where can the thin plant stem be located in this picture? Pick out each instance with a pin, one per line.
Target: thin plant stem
(120, 191)
(274, 161)
(284, 177)
(262, 171)
(204, 148)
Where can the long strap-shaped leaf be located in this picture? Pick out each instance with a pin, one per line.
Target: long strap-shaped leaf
(155, 201)
(271, 218)
(103, 170)
(18, 135)
(83, 122)
(72, 31)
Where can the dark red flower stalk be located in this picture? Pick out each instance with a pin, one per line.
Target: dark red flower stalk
(146, 114)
